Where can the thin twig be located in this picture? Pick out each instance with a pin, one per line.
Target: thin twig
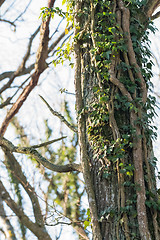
(48, 142)
(7, 21)
(20, 15)
(57, 114)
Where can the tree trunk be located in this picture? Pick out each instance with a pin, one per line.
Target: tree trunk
(112, 75)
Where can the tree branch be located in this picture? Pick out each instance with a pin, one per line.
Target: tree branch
(6, 102)
(7, 227)
(33, 227)
(57, 114)
(27, 54)
(1, 2)
(150, 7)
(21, 14)
(157, 15)
(40, 66)
(38, 157)
(21, 68)
(16, 170)
(7, 21)
(48, 142)
(76, 225)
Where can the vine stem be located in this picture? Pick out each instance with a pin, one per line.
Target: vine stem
(121, 190)
(139, 180)
(131, 53)
(137, 141)
(93, 40)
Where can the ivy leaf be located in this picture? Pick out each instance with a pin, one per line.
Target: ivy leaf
(107, 54)
(63, 2)
(86, 224)
(66, 31)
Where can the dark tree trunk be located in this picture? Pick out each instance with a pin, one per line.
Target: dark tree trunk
(114, 114)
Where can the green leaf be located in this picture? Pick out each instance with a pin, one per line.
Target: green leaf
(86, 224)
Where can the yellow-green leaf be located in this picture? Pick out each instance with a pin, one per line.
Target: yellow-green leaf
(66, 31)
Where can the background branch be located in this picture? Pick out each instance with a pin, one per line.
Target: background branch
(57, 114)
(40, 66)
(36, 155)
(8, 228)
(33, 227)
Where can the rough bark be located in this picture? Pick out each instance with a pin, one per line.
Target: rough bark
(120, 199)
(82, 128)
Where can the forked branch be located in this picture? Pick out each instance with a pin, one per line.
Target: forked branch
(38, 157)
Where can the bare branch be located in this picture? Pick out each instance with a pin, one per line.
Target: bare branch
(151, 6)
(7, 227)
(33, 227)
(57, 114)
(54, 44)
(40, 66)
(1, 2)
(157, 15)
(27, 70)
(20, 15)
(6, 75)
(9, 74)
(15, 168)
(38, 157)
(21, 68)
(75, 224)
(1, 230)
(48, 142)
(27, 54)
(7, 21)
(6, 102)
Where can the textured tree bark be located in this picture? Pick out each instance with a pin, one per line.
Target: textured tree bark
(117, 166)
(82, 128)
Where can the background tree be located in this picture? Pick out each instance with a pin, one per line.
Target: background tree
(113, 70)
